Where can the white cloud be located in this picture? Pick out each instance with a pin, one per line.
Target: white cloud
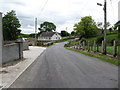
(64, 13)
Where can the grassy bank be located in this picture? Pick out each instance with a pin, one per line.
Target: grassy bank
(101, 57)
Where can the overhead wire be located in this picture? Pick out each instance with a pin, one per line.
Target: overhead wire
(112, 11)
(42, 9)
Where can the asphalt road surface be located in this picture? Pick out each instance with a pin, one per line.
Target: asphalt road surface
(61, 68)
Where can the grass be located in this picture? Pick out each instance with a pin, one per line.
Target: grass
(109, 49)
(109, 38)
(64, 40)
(65, 37)
(101, 57)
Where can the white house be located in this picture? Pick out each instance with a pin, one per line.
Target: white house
(48, 36)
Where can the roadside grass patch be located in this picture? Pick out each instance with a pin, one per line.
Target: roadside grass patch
(64, 40)
(99, 56)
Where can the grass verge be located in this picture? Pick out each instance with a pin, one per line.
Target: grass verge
(101, 57)
(64, 40)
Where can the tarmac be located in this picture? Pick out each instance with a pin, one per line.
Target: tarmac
(11, 72)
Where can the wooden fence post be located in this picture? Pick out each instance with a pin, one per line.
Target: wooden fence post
(118, 55)
(88, 46)
(97, 48)
(102, 46)
(94, 47)
(114, 49)
(83, 45)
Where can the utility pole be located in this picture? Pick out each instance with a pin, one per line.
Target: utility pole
(66, 31)
(35, 28)
(105, 21)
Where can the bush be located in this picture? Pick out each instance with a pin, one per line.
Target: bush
(83, 40)
(100, 39)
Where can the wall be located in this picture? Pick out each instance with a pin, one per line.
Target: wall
(25, 45)
(1, 46)
(12, 52)
(119, 10)
(1, 37)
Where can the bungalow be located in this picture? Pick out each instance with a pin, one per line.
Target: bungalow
(48, 36)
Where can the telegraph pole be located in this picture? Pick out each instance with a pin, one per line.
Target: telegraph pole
(66, 31)
(35, 28)
(105, 22)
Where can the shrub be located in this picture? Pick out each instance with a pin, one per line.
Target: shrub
(100, 39)
(83, 40)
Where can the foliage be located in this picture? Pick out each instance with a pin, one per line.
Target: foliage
(47, 27)
(23, 35)
(73, 33)
(86, 27)
(110, 29)
(108, 24)
(100, 24)
(99, 39)
(84, 40)
(11, 26)
(64, 33)
(32, 35)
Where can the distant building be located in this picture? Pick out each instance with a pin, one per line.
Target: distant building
(119, 11)
(48, 36)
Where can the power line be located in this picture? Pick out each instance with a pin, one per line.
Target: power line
(36, 19)
(43, 7)
(112, 10)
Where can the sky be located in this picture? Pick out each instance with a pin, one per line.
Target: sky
(63, 13)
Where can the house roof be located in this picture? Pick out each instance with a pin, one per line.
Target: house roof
(47, 34)
(118, 23)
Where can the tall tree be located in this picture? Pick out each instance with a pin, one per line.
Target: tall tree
(64, 33)
(73, 33)
(47, 27)
(11, 26)
(86, 27)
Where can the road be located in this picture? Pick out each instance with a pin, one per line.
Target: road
(61, 68)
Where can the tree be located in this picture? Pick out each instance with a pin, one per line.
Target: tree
(86, 27)
(64, 33)
(99, 24)
(73, 33)
(11, 26)
(108, 24)
(47, 27)
(110, 30)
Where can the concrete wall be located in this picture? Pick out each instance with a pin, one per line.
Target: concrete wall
(25, 45)
(1, 38)
(119, 10)
(1, 46)
(11, 52)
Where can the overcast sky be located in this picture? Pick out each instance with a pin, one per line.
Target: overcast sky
(63, 13)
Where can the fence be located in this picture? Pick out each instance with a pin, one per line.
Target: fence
(113, 49)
